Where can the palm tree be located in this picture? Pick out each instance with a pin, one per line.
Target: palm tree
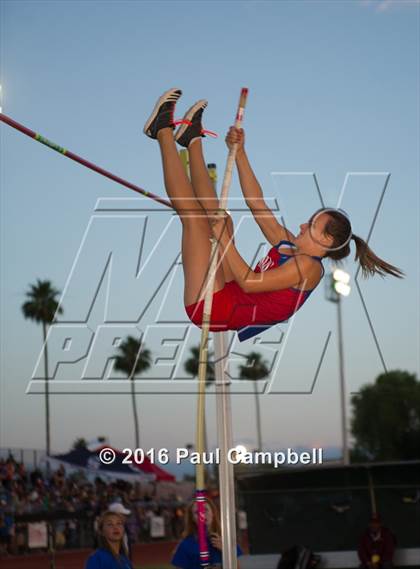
(42, 306)
(254, 370)
(133, 359)
(80, 444)
(191, 366)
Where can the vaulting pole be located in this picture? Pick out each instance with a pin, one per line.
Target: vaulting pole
(225, 442)
(224, 436)
(203, 358)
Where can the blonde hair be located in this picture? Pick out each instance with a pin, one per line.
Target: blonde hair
(102, 541)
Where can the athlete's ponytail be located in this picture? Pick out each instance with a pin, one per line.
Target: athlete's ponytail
(370, 263)
(339, 228)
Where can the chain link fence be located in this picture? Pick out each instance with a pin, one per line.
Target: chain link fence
(328, 508)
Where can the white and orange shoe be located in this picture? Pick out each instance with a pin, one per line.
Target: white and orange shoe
(163, 113)
(191, 127)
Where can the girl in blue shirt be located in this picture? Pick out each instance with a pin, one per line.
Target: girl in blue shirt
(187, 553)
(110, 553)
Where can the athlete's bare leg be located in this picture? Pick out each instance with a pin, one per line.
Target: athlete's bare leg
(196, 245)
(204, 190)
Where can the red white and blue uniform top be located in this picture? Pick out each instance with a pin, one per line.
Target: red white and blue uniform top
(282, 303)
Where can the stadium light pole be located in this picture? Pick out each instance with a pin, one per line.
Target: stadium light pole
(337, 286)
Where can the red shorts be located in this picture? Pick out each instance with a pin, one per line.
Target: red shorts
(221, 310)
(234, 309)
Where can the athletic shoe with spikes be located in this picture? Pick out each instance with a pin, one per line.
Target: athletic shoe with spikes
(163, 113)
(191, 127)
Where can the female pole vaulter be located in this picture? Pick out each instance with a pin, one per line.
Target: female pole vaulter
(246, 300)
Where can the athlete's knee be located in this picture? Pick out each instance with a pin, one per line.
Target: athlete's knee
(230, 228)
(195, 220)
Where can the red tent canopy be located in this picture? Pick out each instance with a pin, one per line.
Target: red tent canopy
(146, 467)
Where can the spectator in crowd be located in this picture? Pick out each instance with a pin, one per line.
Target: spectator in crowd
(187, 553)
(148, 515)
(177, 522)
(242, 525)
(60, 534)
(118, 508)
(111, 553)
(376, 546)
(79, 500)
(70, 533)
(6, 529)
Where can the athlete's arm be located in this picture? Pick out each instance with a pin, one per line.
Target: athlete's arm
(291, 274)
(297, 270)
(252, 192)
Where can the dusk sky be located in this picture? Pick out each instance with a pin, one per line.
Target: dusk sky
(333, 91)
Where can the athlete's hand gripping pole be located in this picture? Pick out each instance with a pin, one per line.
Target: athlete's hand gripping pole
(203, 357)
